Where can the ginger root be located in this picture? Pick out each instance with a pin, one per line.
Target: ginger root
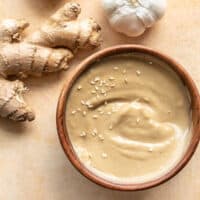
(11, 30)
(46, 50)
(64, 30)
(23, 59)
(12, 104)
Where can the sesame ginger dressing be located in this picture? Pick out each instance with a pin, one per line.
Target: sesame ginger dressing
(128, 118)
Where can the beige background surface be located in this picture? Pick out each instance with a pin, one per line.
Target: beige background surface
(32, 163)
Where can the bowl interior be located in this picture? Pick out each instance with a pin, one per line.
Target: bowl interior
(61, 118)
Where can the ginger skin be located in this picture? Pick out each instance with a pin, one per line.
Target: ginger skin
(64, 30)
(12, 104)
(23, 59)
(46, 50)
(11, 30)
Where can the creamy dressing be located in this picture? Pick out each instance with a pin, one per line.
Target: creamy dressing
(128, 118)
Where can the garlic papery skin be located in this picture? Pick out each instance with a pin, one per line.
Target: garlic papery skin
(133, 17)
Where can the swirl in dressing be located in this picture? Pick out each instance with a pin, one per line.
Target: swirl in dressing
(128, 118)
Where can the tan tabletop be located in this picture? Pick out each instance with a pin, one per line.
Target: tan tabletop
(32, 163)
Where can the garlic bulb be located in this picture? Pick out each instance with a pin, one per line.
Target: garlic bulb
(133, 17)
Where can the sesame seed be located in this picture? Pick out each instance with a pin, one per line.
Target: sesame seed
(101, 112)
(93, 92)
(110, 127)
(78, 109)
(111, 78)
(101, 137)
(96, 88)
(146, 99)
(84, 113)
(97, 79)
(115, 68)
(90, 106)
(97, 96)
(92, 82)
(150, 149)
(87, 103)
(99, 109)
(82, 102)
(109, 113)
(124, 71)
(79, 87)
(112, 85)
(93, 134)
(73, 112)
(105, 102)
(150, 63)
(125, 80)
(95, 116)
(103, 91)
(95, 131)
(138, 120)
(138, 72)
(104, 155)
(105, 95)
(83, 134)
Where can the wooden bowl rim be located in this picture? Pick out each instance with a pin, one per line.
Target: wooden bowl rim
(61, 108)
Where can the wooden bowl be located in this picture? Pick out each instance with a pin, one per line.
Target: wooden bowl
(61, 120)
